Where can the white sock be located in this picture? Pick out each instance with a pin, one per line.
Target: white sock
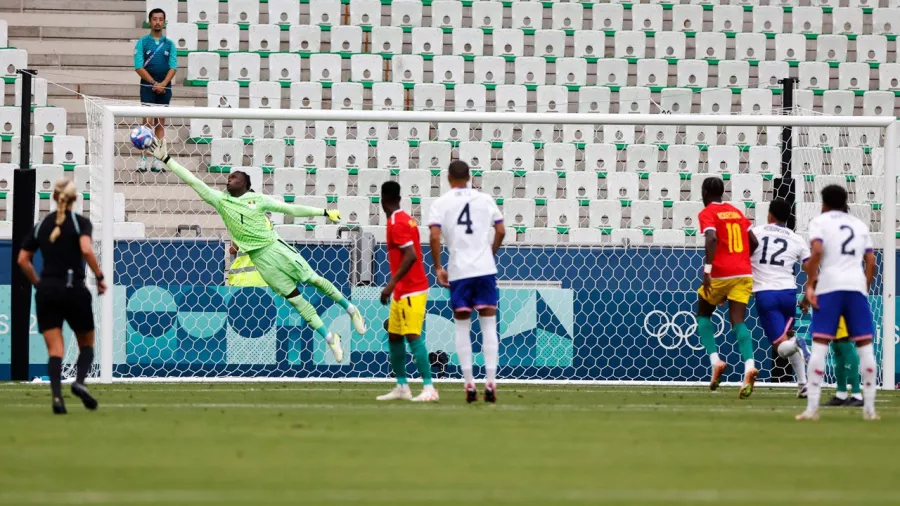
(464, 348)
(855, 396)
(329, 338)
(789, 350)
(749, 364)
(351, 310)
(868, 368)
(816, 376)
(490, 345)
(841, 395)
(713, 359)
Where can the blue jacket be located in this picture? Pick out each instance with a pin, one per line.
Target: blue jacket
(156, 59)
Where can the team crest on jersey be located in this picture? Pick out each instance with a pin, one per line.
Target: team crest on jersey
(412, 223)
(251, 204)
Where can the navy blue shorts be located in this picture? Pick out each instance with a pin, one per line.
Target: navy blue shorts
(149, 97)
(474, 293)
(853, 306)
(776, 310)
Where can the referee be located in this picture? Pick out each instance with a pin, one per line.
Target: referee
(65, 244)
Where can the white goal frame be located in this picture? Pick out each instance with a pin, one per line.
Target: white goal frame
(111, 113)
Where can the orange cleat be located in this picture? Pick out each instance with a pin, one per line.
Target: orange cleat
(718, 371)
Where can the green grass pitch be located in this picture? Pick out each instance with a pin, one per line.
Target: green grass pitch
(297, 443)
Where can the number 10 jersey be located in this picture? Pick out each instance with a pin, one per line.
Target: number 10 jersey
(467, 218)
(733, 250)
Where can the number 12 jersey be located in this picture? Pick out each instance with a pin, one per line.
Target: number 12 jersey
(780, 248)
(467, 218)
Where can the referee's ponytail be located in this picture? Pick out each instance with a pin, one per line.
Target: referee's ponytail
(64, 193)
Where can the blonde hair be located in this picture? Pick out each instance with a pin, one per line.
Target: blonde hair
(64, 193)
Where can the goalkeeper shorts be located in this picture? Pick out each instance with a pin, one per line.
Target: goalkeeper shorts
(281, 267)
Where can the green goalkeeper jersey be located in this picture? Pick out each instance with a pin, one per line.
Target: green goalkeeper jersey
(244, 216)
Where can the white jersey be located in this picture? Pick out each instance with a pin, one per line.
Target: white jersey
(780, 248)
(466, 218)
(845, 240)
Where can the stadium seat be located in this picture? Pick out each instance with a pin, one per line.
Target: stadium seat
(265, 95)
(468, 42)
(427, 41)
(11, 60)
(325, 68)
(305, 39)
(38, 92)
(566, 16)
(183, 35)
(470, 97)
(407, 14)
(243, 12)
(807, 20)
(552, 99)
(697, 185)
(530, 71)
(771, 73)
(346, 39)
(626, 237)
(477, 154)
(563, 214)
(36, 152)
(540, 236)
(289, 181)
(692, 74)
(387, 40)
(633, 100)
(615, 73)
(352, 155)
(541, 186)
(48, 121)
(527, 16)
(223, 37)
(647, 17)
(652, 73)
(408, 70)
(205, 129)
(392, 154)
(871, 49)
(621, 135)
(204, 12)
(670, 45)
(226, 153)
(723, 159)
(728, 19)
(489, 71)
(518, 213)
(665, 187)
(622, 186)
(369, 181)
(518, 156)
(600, 157)
(630, 45)
(889, 77)
(669, 237)
(838, 103)
(203, 67)
(808, 161)
(265, 38)
(285, 13)
(582, 186)
(268, 153)
(831, 48)
(434, 156)
(498, 184)
(366, 69)
(686, 18)
(683, 159)
(347, 96)
(429, 97)
(589, 44)
(750, 47)
(847, 161)
(571, 72)
(869, 189)
(646, 215)
(550, 43)
(642, 158)
(248, 129)
(684, 216)
(733, 74)
(673, 101)
(509, 42)
(847, 20)
(69, 151)
(746, 188)
(306, 95)
(243, 67)
(448, 70)
(331, 182)
(578, 134)
(790, 47)
(605, 214)
(878, 103)
(325, 13)
(585, 236)
(559, 157)
(768, 19)
(764, 160)
(709, 46)
(310, 154)
(885, 21)
(608, 17)
(595, 99)
(446, 14)
(853, 76)
(284, 67)
(46, 176)
(356, 211)
(10, 121)
(366, 14)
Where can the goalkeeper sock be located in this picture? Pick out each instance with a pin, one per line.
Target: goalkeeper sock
(83, 366)
(745, 345)
(816, 376)
(54, 370)
(464, 348)
(707, 336)
(840, 369)
(869, 369)
(398, 360)
(329, 290)
(490, 345)
(420, 355)
(308, 312)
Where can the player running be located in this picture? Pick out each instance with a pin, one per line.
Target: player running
(726, 276)
(775, 285)
(466, 217)
(837, 287)
(280, 265)
(409, 287)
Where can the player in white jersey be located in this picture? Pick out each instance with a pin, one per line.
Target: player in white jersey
(777, 251)
(465, 218)
(838, 285)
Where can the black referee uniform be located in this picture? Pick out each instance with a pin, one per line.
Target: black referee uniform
(61, 295)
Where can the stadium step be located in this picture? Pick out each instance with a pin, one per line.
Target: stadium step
(75, 6)
(92, 33)
(107, 62)
(73, 46)
(87, 23)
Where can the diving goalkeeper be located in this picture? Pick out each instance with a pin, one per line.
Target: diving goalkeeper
(280, 265)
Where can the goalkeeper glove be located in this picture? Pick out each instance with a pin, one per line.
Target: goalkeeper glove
(333, 215)
(159, 151)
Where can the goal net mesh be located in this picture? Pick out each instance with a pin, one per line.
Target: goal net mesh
(598, 272)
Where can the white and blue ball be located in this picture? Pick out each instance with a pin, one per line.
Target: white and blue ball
(142, 137)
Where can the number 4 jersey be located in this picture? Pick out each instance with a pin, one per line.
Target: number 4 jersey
(733, 252)
(845, 241)
(780, 248)
(467, 218)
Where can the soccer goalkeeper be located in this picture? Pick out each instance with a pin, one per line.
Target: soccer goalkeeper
(280, 265)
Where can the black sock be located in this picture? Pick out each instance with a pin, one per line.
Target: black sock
(54, 370)
(85, 359)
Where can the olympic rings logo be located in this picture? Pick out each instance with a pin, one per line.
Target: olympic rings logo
(673, 331)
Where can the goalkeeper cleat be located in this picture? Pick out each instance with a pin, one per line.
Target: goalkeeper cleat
(59, 407)
(429, 394)
(718, 371)
(490, 393)
(836, 401)
(749, 381)
(398, 393)
(870, 416)
(79, 390)
(335, 346)
(801, 392)
(808, 415)
(359, 325)
(143, 164)
(853, 402)
(471, 393)
(157, 166)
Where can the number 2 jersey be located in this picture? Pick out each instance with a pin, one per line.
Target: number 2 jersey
(466, 218)
(780, 248)
(845, 241)
(733, 252)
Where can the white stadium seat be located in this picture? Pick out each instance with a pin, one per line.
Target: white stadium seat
(446, 14)
(387, 40)
(49, 121)
(12, 60)
(608, 16)
(518, 212)
(647, 17)
(728, 18)
(684, 215)
(626, 237)
(589, 44)
(746, 188)
(652, 72)
(646, 215)
(665, 186)
(771, 73)
(581, 185)
(305, 39)
(518, 156)
(406, 13)
(427, 41)
(847, 20)
(642, 158)
(477, 154)
(768, 19)
(847, 161)
(541, 186)
(509, 42)
(325, 13)
(331, 182)
(540, 236)
(203, 66)
(490, 70)
(831, 48)
(669, 237)
(563, 213)
(205, 11)
(764, 160)
(723, 159)
(615, 73)
(243, 67)
(10, 120)
(365, 13)
(355, 210)
(69, 150)
(692, 74)
(392, 154)
(498, 184)
(183, 35)
(566, 16)
(265, 38)
(434, 156)
(530, 71)
(205, 128)
(325, 68)
(687, 18)
(670, 45)
(885, 21)
(415, 184)
(734, 74)
(265, 95)
(243, 12)
(283, 12)
(585, 236)
(284, 67)
(709, 45)
(310, 154)
(600, 157)
(622, 186)
(487, 15)
(807, 19)
(683, 159)
(352, 155)
(346, 39)
(527, 15)
(550, 43)
(408, 69)
(630, 45)
(448, 70)
(369, 181)
(268, 153)
(605, 214)
(749, 46)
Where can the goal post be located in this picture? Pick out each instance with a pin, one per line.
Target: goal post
(634, 324)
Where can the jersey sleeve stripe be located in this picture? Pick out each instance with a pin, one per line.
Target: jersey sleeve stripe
(815, 239)
(406, 244)
(498, 221)
(870, 250)
(438, 225)
(707, 229)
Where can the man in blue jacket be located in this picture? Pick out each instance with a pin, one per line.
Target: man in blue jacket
(155, 61)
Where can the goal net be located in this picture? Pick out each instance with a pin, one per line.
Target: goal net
(597, 275)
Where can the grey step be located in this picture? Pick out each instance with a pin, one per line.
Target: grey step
(69, 21)
(75, 6)
(77, 33)
(111, 62)
(76, 46)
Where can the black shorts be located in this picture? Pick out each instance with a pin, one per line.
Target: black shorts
(57, 303)
(148, 96)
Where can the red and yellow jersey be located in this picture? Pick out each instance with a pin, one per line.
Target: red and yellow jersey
(731, 226)
(403, 232)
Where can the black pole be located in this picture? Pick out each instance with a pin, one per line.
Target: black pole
(784, 186)
(24, 187)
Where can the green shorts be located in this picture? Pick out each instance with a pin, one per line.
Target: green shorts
(281, 267)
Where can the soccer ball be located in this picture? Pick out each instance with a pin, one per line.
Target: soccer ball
(142, 137)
